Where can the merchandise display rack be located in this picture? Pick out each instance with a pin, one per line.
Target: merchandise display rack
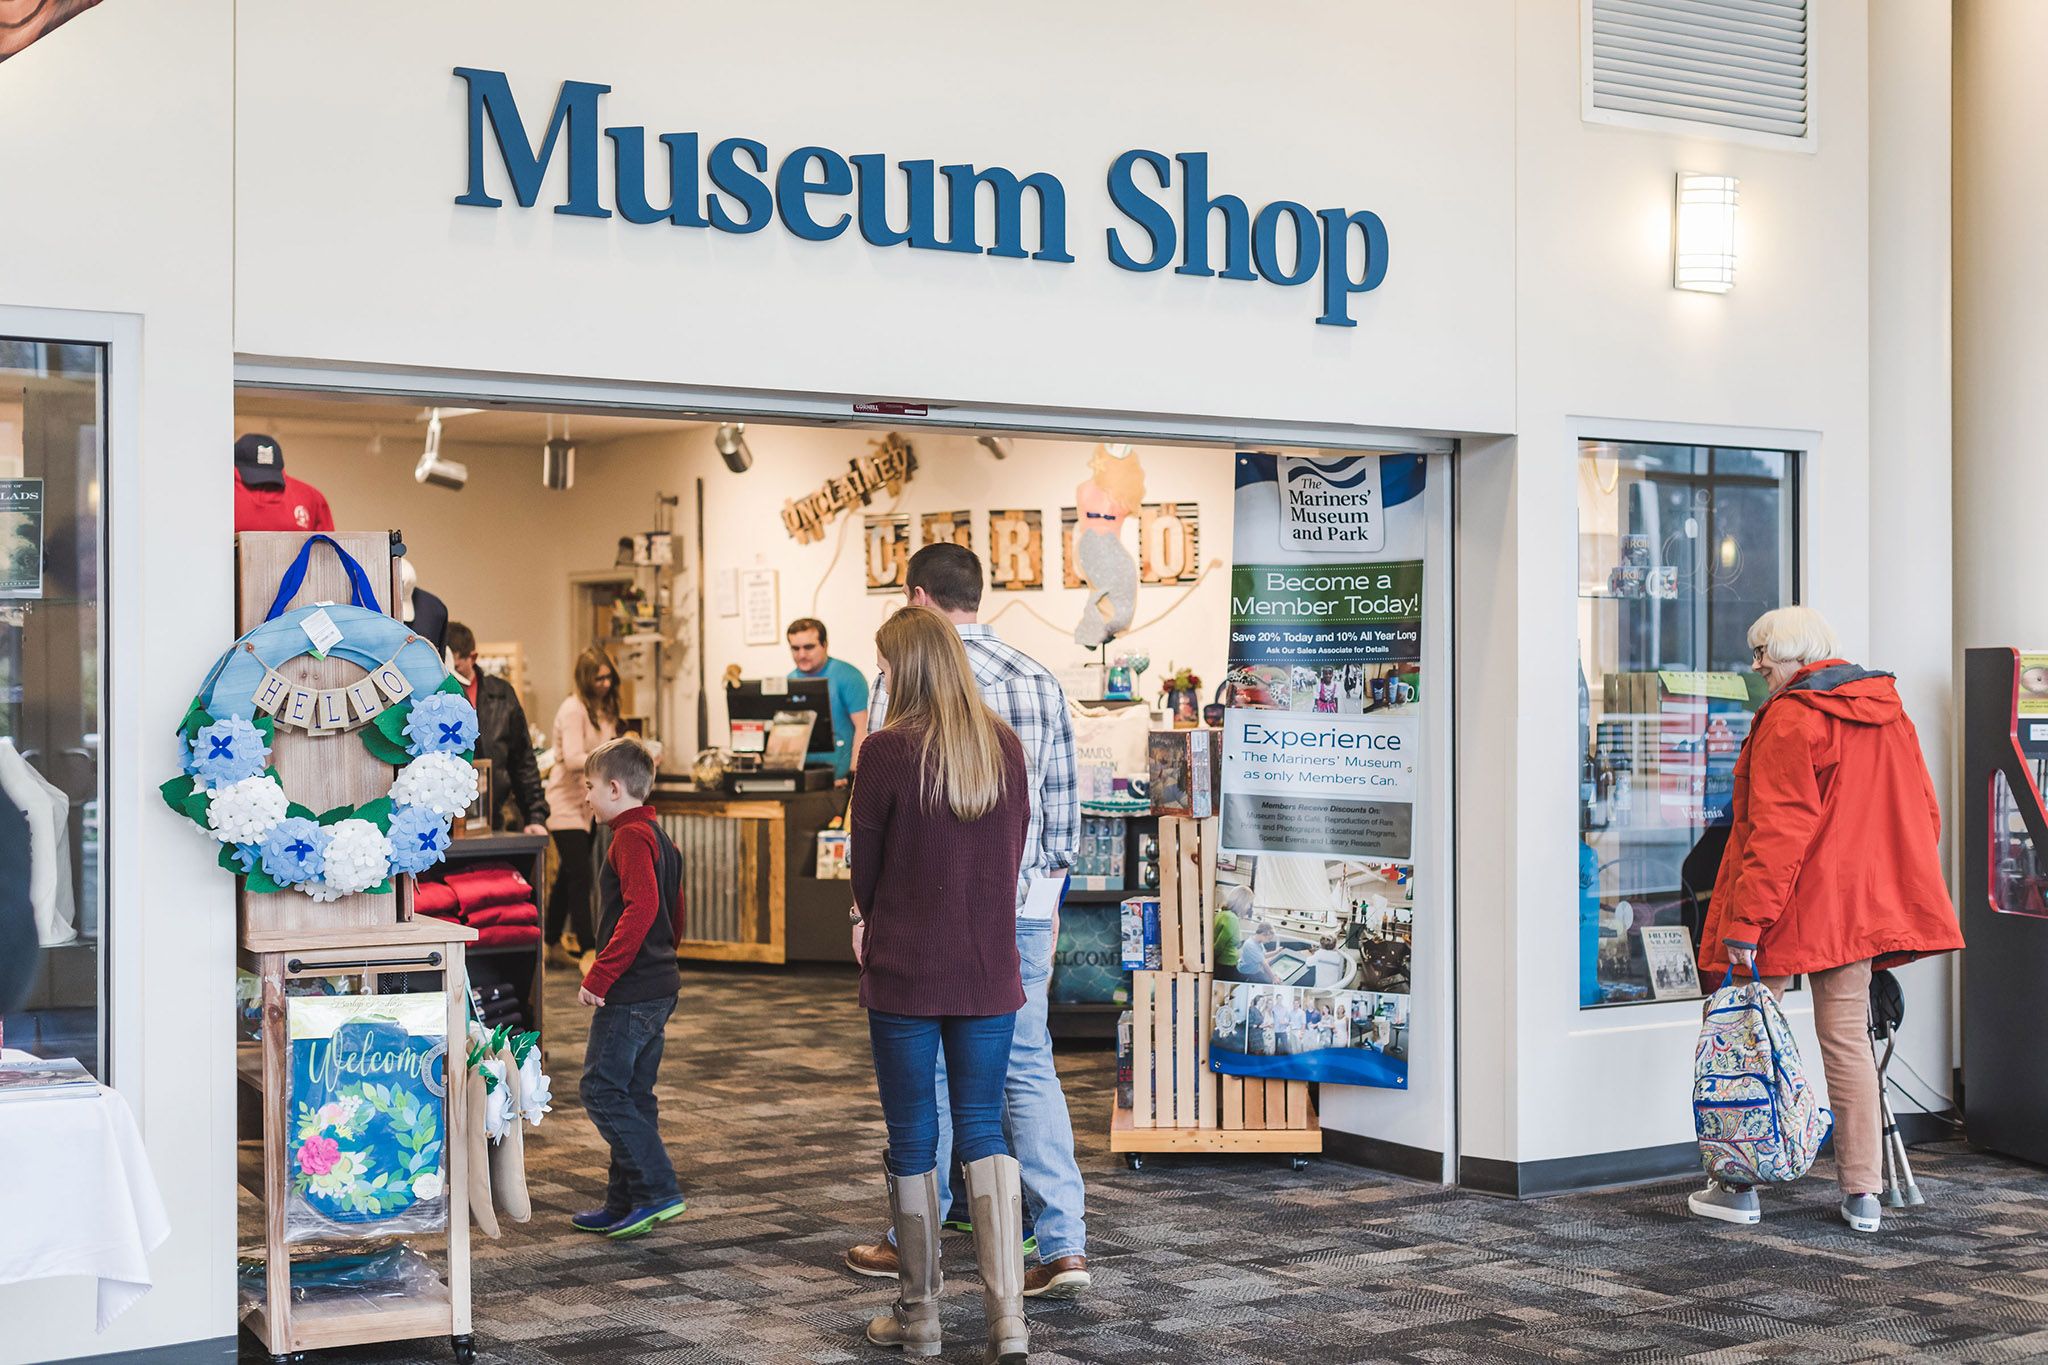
(1178, 1103)
(286, 937)
(523, 965)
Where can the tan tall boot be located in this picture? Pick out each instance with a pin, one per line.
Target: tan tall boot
(997, 1197)
(912, 1325)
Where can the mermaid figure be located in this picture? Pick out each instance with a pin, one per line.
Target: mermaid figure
(1114, 490)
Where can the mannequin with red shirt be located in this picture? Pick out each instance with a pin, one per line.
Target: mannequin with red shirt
(267, 498)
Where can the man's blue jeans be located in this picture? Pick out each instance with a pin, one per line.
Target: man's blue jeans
(1034, 1115)
(907, 1051)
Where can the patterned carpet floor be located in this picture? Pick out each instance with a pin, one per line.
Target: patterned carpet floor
(769, 1100)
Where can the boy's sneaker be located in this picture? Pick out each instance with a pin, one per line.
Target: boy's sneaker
(638, 1222)
(596, 1220)
(960, 1222)
(1862, 1212)
(1726, 1204)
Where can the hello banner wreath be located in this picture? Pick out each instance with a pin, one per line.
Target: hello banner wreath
(407, 711)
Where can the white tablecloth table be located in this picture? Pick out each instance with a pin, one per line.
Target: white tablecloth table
(77, 1196)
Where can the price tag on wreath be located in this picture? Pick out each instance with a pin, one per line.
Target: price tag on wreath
(405, 709)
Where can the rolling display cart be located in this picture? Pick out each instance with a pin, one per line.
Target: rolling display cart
(299, 950)
(1178, 1103)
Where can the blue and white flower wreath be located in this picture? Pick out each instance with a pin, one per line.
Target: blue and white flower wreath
(230, 790)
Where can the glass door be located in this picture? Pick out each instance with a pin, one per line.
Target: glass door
(52, 778)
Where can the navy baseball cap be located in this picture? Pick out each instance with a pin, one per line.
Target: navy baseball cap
(260, 461)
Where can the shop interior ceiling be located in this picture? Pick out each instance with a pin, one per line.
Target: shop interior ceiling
(283, 414)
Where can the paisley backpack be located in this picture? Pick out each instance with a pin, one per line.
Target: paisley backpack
(1759, 1121)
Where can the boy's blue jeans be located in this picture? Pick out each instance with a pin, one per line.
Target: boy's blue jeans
(619, 1070)
(907, 1048)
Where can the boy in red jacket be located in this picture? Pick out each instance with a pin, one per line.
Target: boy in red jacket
(633, 985)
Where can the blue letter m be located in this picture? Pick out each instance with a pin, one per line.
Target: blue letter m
(490, 96)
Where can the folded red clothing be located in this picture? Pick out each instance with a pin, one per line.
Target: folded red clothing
(507, 936)
(434, 898)
(499, 916)
(491, 884)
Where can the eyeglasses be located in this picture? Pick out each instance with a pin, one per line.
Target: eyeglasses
(607, 677)
(1758, 654)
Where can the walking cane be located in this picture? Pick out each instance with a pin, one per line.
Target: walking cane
(1887, 1012)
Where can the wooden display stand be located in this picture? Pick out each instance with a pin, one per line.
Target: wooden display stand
(1178, 1104)
(287, 936)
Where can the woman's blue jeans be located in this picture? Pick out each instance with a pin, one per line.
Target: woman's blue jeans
(906, 1064)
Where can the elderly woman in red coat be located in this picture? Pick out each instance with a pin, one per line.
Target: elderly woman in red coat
(1832, 871)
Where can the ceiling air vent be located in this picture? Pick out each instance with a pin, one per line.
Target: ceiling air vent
(1726, 64)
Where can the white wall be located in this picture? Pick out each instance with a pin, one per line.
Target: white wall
(1175, 624)
(2001, 329)
(1912, 523)
(119, 195)
(1603, 339)
(478, 548)
(350, 154)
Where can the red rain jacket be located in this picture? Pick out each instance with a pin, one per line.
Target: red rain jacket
(1832, 857)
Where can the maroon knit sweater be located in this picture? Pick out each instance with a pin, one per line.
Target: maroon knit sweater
(939, 895)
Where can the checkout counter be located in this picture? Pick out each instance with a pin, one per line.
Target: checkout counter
(750, 874)
(750, 844)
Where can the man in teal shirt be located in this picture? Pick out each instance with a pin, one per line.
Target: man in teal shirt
(849, 690)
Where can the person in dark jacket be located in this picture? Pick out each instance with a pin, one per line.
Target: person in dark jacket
(940, 809)
(1833, 870)
(502, 737)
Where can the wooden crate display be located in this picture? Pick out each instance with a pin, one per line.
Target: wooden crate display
(1252, 1104)
(1187, 885)
(1171, 1083)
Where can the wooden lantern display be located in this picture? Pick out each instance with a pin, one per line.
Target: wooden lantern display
(1178, 1103)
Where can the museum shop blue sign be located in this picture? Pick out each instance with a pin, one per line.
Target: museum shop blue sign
(817, 194)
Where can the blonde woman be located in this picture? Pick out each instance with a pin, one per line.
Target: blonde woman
(939, 813)
(587, 718)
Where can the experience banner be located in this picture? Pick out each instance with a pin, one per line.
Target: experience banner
(1315, 882)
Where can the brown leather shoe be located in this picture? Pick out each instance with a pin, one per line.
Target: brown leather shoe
(1064, 1278)
(873, 1258)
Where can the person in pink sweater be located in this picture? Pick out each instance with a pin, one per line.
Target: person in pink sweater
(588, 717)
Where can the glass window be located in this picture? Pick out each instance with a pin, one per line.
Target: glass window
(52, 939)
(1680, 549)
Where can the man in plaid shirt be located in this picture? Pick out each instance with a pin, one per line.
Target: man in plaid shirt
(948, 578)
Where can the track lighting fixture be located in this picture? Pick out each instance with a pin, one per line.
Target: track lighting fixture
(432, 468)
(731, 441)
(998, 446)
(558, 458)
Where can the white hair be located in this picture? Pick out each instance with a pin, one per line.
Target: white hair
(1794, 635)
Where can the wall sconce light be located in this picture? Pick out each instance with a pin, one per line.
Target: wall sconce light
(1731, 553)
(731, 441)
(1703, 233)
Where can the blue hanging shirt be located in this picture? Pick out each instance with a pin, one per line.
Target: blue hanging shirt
(849, 691)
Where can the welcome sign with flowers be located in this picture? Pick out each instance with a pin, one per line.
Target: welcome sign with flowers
(421, 723)
(367, 1141)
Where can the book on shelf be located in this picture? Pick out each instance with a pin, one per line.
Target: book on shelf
(41, 1079)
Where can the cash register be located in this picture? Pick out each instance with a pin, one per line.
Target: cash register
(782, 738)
